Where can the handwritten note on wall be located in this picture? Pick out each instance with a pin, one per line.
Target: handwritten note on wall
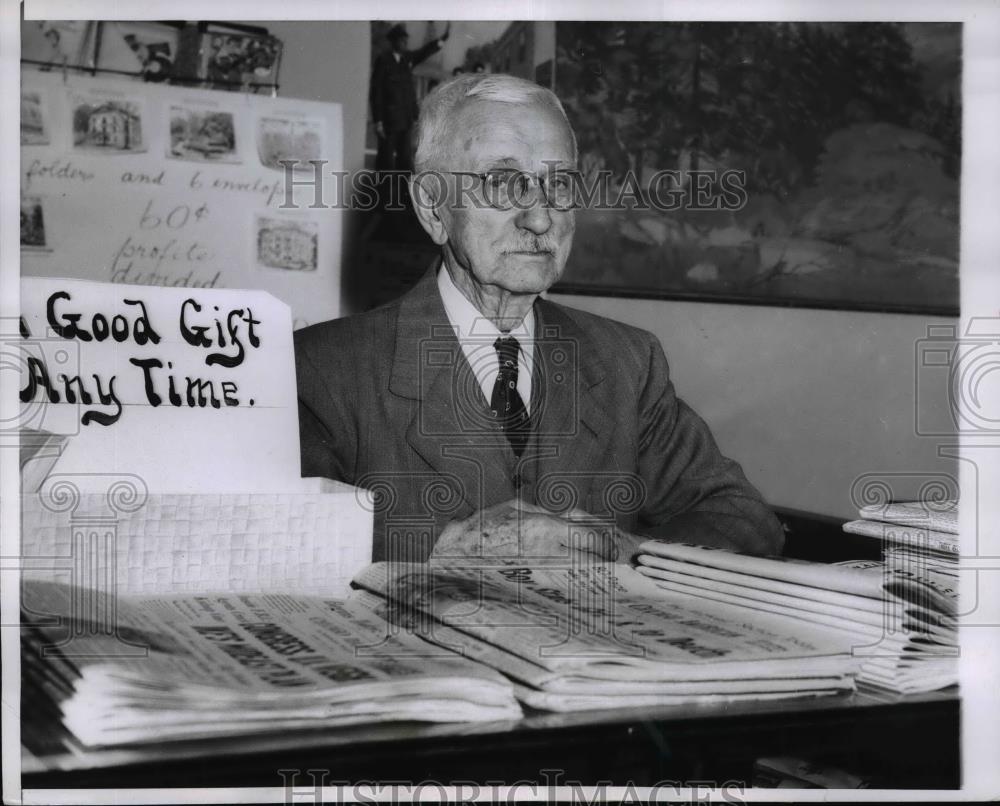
(139, 184)
(192, 389)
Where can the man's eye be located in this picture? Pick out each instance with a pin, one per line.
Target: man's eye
(560, 182)
(497, 180)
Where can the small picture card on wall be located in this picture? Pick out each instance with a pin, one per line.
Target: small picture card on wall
(33, 238)
(288, 243)
(34, 121)
(289, 138)
(202, 135)
(107, 124)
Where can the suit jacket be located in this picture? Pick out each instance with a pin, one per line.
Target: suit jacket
(393, 97)
(388, 402)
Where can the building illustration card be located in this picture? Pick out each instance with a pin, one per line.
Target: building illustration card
(287, 138)
(34, 125)
(107, 124)
(33, 225)
(285, 243)
(202, 135)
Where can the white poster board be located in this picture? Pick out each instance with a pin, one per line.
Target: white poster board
(191, 389)
(178, 413)
(143, 184)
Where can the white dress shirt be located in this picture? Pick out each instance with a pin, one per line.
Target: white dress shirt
(476, 335)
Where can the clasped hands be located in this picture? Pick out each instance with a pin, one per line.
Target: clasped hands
(516, 530)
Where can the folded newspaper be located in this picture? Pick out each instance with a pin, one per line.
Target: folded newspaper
(929, 527)
(603, 636)
(940, 516)
(914, 537)
(158, 668)
(901, 612)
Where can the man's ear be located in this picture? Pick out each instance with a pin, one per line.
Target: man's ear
(425, 190)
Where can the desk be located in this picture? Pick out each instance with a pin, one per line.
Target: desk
(905, 742)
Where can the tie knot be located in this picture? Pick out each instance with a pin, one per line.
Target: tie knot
(507, 347)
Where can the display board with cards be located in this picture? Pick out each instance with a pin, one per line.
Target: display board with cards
(141, 184)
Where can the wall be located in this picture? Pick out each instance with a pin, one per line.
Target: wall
(805, 400)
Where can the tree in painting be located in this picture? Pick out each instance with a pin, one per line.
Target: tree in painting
(848, 136)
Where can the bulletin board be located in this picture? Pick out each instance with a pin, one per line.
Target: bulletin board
(142, 184)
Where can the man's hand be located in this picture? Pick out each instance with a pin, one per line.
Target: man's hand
(379, 130)
(517, 530)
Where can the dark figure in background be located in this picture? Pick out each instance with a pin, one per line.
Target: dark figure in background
(394, 100)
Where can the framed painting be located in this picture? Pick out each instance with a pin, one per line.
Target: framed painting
(803, 164)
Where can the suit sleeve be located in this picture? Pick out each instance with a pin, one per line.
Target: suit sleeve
(327, 427)
(425, 52)
(376, 92)
(694, 494)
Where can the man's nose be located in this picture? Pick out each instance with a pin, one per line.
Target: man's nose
(535, 214)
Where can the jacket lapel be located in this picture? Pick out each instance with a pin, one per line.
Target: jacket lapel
(451, 428)
(574, 400)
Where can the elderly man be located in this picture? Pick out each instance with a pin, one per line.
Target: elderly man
(472, 390)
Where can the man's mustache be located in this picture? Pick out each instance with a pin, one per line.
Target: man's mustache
(541, 245)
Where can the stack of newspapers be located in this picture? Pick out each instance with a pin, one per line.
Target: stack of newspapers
(414, 642)
(899, 616)
(465, 642)
(927, 527)
(601, 635)
(920, 542)
(122, 670)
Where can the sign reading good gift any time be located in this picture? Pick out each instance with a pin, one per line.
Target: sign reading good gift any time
(193, 368)
(191, 388)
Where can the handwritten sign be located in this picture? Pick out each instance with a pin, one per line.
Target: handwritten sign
(142, 184)
(192, 389)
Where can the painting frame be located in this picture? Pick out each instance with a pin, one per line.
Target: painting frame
(237, 57)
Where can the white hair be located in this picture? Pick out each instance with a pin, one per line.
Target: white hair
(434, 126)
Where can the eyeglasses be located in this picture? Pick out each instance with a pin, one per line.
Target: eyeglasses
(505, 188)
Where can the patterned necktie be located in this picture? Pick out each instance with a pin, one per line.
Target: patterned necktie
(506, 403)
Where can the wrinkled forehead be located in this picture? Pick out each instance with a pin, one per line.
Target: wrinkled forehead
(528, 136)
